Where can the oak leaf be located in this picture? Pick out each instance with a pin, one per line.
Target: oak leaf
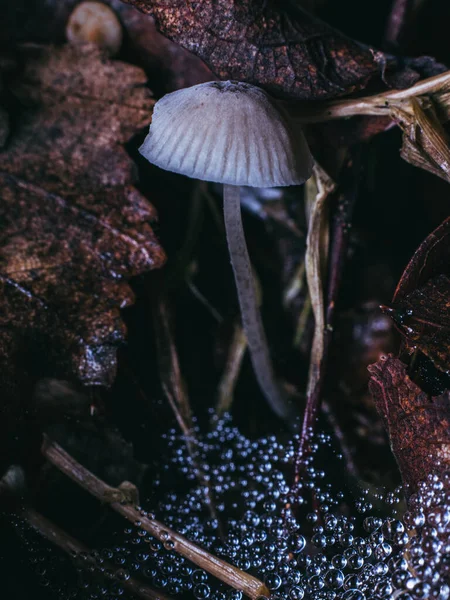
(74, 228)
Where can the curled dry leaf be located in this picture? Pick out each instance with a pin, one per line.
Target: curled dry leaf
(425, 142)
(74, 228)
(418, 424)
(278, 46)
(421, 303)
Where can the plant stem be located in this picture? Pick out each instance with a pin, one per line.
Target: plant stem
(249, 585)
(251, 318)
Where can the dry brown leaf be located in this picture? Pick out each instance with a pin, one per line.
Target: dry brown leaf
(424, 319)
(431, 258)
(418, 424)
(168, 65)
(279, 46)
(421, 303)
(74, 228)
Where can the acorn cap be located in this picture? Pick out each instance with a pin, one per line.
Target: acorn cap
(227, 132)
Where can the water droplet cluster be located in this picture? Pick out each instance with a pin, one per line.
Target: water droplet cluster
(233, 496)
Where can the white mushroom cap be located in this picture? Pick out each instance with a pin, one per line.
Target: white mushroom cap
(228, 132)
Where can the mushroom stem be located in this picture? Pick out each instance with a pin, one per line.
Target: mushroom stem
(251, 318)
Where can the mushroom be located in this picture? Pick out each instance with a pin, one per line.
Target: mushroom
(96, 23)
(232, 133)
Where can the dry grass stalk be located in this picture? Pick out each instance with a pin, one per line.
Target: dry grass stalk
(319, 188)
(231, 372)
(419, 110)
(437, 88)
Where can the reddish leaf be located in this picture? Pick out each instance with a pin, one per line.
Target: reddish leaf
(418, 424)
(424, 319)
(74, 228)
(421, 303)
(277, 46)
(430, 259)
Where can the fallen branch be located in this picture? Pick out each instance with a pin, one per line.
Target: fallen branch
(74, 548)
(12, 489)
(118, 500)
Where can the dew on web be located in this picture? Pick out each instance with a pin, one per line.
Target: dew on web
(313, 541)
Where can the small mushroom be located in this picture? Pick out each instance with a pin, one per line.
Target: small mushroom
(95, 23)
(232, 133)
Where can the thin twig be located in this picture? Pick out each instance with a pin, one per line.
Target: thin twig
(176, 394)
(75, 548)
(350, 465)
(231, 372)
(169, 365)
(295, 285)
(203, 300)
(229, 574)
